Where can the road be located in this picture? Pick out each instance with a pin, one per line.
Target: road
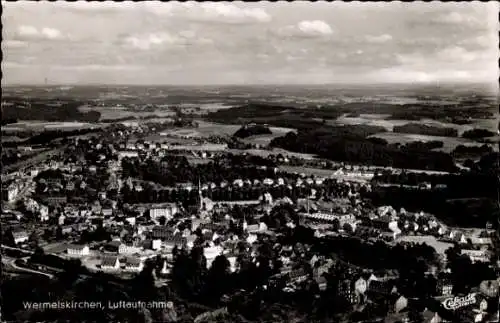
(12, 263)
(18, 249)
(31, 161)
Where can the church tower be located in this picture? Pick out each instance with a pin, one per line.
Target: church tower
(200, 196)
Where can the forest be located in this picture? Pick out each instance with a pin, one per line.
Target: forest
(350, 145)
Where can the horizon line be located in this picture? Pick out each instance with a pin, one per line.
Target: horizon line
(422, 84)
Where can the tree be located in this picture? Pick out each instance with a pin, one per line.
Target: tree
(162, 220)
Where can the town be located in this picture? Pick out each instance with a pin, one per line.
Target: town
(250, 162)
(111, 204)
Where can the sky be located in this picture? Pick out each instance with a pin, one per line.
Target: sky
(238, 43)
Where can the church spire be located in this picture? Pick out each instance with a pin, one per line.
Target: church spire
(200, 196)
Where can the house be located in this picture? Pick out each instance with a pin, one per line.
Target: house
(476, 255)
(113, 246)
(167, 211)
(66, 229)
(381, 287)
(360, 285)
(444, 286)
(20, 236)
(110, 263)
(44, 213)
(160, 232)
(174, 240)
(128, 153)
(128, 249)
(401, 304)
(78, 250)
(298, 275)
(133, 264)
(56, 200)
(347, 291)
(10, 194)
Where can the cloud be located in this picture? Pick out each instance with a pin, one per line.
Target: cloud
(98, 67)
(75, 68)
(446, 56)
(231, 13)
(457, 54)
(484, 41)
(379, 39)
(11, 43)
(159, 40)
(457, 18)
(315, 27)
(305, 28)
(32, 33)
(217, 12)
(408, 75)
(146, 42)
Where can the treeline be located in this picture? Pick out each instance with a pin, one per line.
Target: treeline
(465, 212)
(176, 169)
(377, 256)
(422, 129)
(275, 115)
(304, 118)
(151, 194)
(471, 152)
(458, 113)
(252, 130)
(350, 145)
(44, 110)
(6, 121)
(477, 134)
(465, 185)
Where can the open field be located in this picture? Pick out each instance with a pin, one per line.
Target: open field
(268, 152)
(57, 247)
(382, 121)
(449, 143)
(43, 125)
(115, 113)
(264, 140)
(439, 246)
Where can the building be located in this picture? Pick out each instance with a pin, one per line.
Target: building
(78, 250)
(20, 236)
(173, 240)
(444, 287)
(56, 200)
(128, 154)
(347, 291)
(11, 192)
(110, 263)
(43, 213)
(128, 249)
(167, 211)
(476, 255)
(133, 264)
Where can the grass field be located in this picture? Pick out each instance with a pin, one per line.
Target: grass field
(43, 125)
(115, 113)
(380, 120)
(449, 143)
(439, 246)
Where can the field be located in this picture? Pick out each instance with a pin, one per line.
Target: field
(381, 120)
(264, 140)
(439, 246)
(268, 152)
(58, 247)
(204, 129)
(116, 113)
(42, 125)
(449, 143)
